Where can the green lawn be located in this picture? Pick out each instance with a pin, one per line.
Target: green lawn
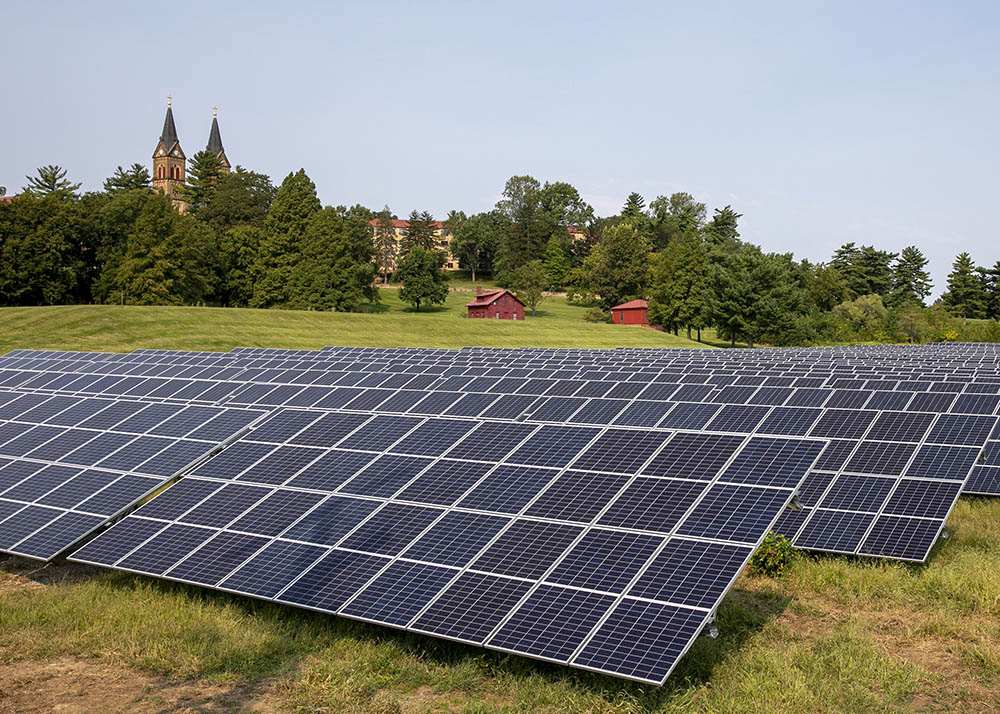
(835, 634)
(393, 324)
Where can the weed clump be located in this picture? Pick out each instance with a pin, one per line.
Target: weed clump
(774, 557)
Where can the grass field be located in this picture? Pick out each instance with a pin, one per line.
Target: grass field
(118, 328)
(835, 634)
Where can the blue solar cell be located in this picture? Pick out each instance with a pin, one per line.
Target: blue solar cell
(552, 446)
(690, 572)
(329, 522)
(29, 440)
(444, 482)
(330, 429)
(23, 523)
(333, 580)
(58, 535)
(508, 489)
(527, 549)
(646, 414)
(276, 512)
(166, 548)
(900, 537)
(983, 480)
(738, 418)
(577, 496)
(283, 425)
(391, 529)
(471, 607)
(225, 505)
(652, 504)
(772, 462)
(620, 450)
(858, 493)
(843, 424)
(456, 538)
(217, 558)
(605, 560)
(959, 429)
(874, 457)
(735, 513)
(834, 530)
(689, 416)
(280, 465)
(923, 498)
(552, 622)
(113, 545)
(271, 570)
(399, 593)
(35, 486)
(642, 640)
(471, 405)
(434, 437)
(78, 488)
(789, 421)
(119, 495)
(385, 476)
(234, 460)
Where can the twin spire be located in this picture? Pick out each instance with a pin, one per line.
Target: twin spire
(168, 137)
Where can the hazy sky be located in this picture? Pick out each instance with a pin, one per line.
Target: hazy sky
(821, 122)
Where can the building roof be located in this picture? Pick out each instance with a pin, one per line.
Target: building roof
(632, 305)
(169, 134)
(485, 298)
(397, 223)
(7, 199)
(215, 138)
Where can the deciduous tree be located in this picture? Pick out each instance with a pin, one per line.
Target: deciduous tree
(424, 282)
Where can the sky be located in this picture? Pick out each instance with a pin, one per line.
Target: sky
(821, 122)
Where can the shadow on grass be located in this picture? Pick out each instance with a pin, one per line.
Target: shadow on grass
(302, 633)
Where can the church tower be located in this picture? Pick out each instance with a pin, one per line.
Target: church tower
(215, 143)
(169, 163)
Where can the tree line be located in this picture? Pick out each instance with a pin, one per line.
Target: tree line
(244, 242)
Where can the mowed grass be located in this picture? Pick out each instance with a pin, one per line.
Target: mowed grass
(835, 634)
(119, 328)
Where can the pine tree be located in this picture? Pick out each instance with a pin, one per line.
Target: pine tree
(910, 280)
(424, 282)
(679, 289)
(385, 244)
(634, 208)
(134, 177)
(51, 180)
(990, 278)
(419, 231)
(556, 265)
(293, 206)
(752, 294)
(202, 176)
(965, 295)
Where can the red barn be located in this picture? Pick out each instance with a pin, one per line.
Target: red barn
(496, 305)
(631, 313)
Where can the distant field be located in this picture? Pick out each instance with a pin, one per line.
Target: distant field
(117, 328)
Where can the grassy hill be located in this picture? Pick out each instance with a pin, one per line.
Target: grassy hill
(834, 634)
(394, 324)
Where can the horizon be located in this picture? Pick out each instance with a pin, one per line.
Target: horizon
(821, 124)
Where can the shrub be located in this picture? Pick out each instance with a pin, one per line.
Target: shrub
(773, 557)
(595, 314)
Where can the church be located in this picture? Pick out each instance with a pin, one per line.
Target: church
(169, 161)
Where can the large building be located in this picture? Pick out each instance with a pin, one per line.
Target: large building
(442, 241)
(170, 163)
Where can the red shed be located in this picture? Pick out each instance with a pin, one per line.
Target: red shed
(496, 305)
(631, 313)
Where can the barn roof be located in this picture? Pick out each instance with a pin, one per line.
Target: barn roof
(486, 298)
(632, 305)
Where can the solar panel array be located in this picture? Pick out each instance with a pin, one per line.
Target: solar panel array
(588, 507)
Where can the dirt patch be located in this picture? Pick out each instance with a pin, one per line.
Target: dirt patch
(25, 574)
(71, 686)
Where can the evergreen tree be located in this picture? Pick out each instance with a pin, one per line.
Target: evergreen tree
(528, 283)
(335, 270)
(557, 265)
(990, 278)
(385, 244)
(202, 177)
(239, 198)
(294, 205)
(117, 218)
(634, 208)
(752, 294)
(910, 280)
(722, 236)
(618, 268)
(866, 270)
(170, 259)
(419, 231)
(134, 177)
(965, 296)
(679, 289)
(51, 180)
(424, 282)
